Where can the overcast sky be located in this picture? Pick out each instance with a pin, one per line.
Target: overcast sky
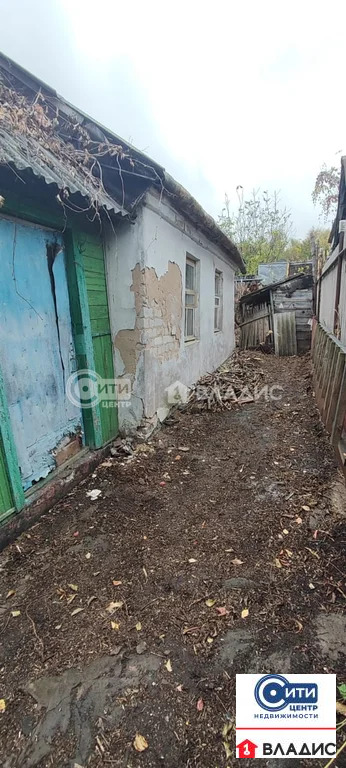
(220, 93)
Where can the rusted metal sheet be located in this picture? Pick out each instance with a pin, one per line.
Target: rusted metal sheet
(285, 339)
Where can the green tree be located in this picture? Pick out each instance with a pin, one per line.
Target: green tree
(260, 227)
(326, 190)
(303, 250)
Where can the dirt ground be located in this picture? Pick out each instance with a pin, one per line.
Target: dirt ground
(128, 614)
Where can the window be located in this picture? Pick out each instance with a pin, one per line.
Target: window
(191, 299)
(218, 301)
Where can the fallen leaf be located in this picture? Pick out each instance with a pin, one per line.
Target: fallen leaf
(117, 583)
(168, 665)
(91, 599)
(236, 561)
(226, 729)
(306, 508)
(227, 749)
(209, 603)
(10, 593)
(88, 556)
(222, 610)
(299, 520)
(2, 705)
(74, 587)
(340, 707)
(115, 625)
(299, 625)
(76, 610)
(140, 743)
(244, 613)
(278, 563)
(113, 606)
(15, 613)
(138, 626)
(70, 598)
(200, 705)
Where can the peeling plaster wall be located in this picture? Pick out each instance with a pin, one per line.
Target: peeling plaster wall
(146, 277)
(123, 252)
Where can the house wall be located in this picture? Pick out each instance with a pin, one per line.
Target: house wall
(66, 301)
(327, 298)
(342, 304)
(146, 284)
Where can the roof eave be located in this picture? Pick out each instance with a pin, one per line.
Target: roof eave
(194, 211)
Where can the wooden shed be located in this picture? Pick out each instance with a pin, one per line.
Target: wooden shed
(278, 316)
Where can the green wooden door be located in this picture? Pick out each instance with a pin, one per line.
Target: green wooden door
(6, 500)
(91, 251)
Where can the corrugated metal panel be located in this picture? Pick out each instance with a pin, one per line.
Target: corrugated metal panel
(285, 339)
(24, 153)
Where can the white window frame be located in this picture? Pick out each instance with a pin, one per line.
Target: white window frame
(218, 301)
(192, 262)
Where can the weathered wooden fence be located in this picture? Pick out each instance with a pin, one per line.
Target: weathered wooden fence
(329, 372)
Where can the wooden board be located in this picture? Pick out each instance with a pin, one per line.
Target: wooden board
(285, 339)
(6, 500)
(95, 278)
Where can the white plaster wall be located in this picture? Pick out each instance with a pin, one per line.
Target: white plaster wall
(327, 301)
(342, 304)
(167, 236)
(122, 252)
(161, 235)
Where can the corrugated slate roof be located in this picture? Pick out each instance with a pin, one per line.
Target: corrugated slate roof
(27, 153)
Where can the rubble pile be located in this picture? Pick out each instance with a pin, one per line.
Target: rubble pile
(235, 382)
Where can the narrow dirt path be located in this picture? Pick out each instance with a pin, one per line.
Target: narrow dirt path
(216, 548)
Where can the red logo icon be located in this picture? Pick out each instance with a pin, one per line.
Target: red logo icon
(247, 749)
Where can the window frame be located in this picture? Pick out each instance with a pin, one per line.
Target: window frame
(194, 292)
(218, 301)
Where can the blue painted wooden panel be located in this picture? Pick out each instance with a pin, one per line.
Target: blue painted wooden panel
(36, 345)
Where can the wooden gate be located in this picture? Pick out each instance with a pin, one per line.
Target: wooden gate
(6, 500)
